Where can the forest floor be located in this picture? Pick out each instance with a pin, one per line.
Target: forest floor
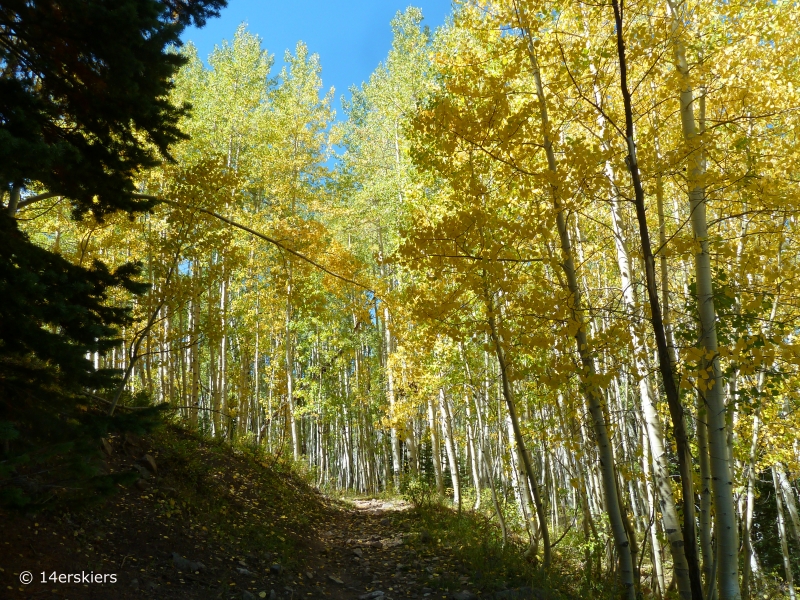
(205, 521)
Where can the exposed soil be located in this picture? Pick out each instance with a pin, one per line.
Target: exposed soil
(373, 548)
(256, 534)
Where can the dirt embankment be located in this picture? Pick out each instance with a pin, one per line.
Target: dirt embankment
(206, 522)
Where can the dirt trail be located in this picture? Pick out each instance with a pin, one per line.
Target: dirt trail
(375, 550)
(156, 541)
(372, 551)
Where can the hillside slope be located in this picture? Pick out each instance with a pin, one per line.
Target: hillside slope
(205, 521)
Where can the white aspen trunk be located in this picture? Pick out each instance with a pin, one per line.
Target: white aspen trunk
(750, 496)
(594, 486)
(788, 496)
(212, 383)
(662, 481)
(495, 502)
(395, 439)
(348, 449)
(658, 566)
(387, 352)
(290, 366)
(351, 461)
(487, 397)
(521, 491)
(386, 459)
(163, 356)
(223, 351)
(685, 552)
(719, 453)
(508, 396)
(593, 396)
(350, 452)
(413, 450)
(447, 429)
(195, 348)
(473, 453)
(13, 200)
(373, 460)
(257, 374)
(148, 364)
(484, 448)
(707, 552)
(273, 344)
(182, 360)
(436, 450)
(787, 562)
(474, 428)
(171, 368)
(242, 420)
(748, 551)
(662, 244)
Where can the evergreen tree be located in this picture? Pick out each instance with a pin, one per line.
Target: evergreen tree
(53, 317)
(84, 90)
(84, 108)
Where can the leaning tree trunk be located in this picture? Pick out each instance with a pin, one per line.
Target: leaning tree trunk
(683, 547)
(662, 481)
(788, 496)
(593, 396)
(436, 450)
(721, 479)
(512, 413)
(655, 543)
(747, 525)
(787, 562)
(450, 446)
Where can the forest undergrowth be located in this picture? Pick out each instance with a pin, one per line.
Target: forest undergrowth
(207, 519)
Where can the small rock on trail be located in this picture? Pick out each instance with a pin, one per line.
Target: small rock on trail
(370, 554)
(186, 566)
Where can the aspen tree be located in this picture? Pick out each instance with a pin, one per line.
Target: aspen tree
(683, 550)
(787, 564)
(721, 472)
(450, 447)
(592, 393)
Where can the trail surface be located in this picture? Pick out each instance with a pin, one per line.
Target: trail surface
(203, 522)
(371, 550)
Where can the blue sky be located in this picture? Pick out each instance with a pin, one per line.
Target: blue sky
(350, 36)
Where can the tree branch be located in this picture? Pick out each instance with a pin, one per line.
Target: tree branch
(257, 234)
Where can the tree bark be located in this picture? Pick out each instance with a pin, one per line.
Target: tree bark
(592, 395)
(662, 481)
(721, 480)
(436, 450)
(290, 365)
(788, 496)
(787, 562)
(512, 413)
(13, 200)
(473, 447)
(684, 548)
(450, 446)
(658, 566)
